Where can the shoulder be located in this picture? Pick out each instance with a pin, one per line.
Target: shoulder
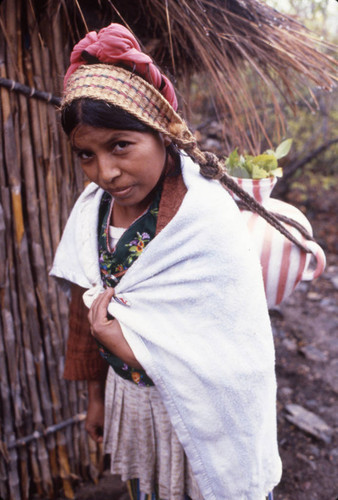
(90, 192)
(209, 194)
(88, 201)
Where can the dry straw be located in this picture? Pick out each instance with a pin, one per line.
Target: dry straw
(226, 40)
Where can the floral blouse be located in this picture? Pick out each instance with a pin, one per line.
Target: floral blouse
(114, 263)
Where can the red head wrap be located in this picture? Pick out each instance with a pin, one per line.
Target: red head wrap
(116, 45)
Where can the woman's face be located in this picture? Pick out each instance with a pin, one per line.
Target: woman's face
(126, 164)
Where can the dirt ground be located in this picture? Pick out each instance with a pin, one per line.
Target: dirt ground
(305, 331)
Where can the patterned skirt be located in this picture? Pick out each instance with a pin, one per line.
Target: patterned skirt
(142, 443)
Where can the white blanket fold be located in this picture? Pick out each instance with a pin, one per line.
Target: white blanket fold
(195, 317)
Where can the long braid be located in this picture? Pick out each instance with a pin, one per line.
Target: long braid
(212, 167)
(90, 81)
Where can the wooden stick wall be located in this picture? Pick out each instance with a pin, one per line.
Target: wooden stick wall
(43, 445)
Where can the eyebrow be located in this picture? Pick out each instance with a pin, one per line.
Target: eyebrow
(115, 136)
(77, 149)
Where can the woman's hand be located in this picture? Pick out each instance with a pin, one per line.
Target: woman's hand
(108, 331)
(101, 326)
(95, 411)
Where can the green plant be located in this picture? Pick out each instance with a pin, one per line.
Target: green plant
(260, 166)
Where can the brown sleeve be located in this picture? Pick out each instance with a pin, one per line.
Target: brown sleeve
(83, 361)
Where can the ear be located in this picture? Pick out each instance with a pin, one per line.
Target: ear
(166, 141)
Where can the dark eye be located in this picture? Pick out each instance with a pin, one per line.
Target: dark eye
(120, 146)
(84, 155)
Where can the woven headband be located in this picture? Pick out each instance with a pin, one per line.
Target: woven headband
(128, 91)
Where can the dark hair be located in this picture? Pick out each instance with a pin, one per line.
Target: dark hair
(98, 113)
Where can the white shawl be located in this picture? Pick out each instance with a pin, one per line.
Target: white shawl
(195, 316)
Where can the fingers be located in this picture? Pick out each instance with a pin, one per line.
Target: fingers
(96, 433)
(95, 411)
(103, 299)
(98, 311)
(106, 296)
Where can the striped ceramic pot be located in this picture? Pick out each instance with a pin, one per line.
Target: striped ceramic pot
(284, 265)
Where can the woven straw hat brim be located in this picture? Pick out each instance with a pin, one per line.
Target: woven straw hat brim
(128, 91)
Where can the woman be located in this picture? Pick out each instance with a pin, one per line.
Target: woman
(174, 290)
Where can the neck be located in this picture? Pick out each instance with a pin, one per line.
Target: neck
(125, 216)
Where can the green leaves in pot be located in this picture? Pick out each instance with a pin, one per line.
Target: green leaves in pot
(260, 166)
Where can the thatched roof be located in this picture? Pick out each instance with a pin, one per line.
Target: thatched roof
(225, 39)
(253, 58)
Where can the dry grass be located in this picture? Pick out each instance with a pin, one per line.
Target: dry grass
(225, 39)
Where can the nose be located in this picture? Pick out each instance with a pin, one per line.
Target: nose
(108, 169)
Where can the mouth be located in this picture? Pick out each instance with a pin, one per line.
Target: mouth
(121, 192)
